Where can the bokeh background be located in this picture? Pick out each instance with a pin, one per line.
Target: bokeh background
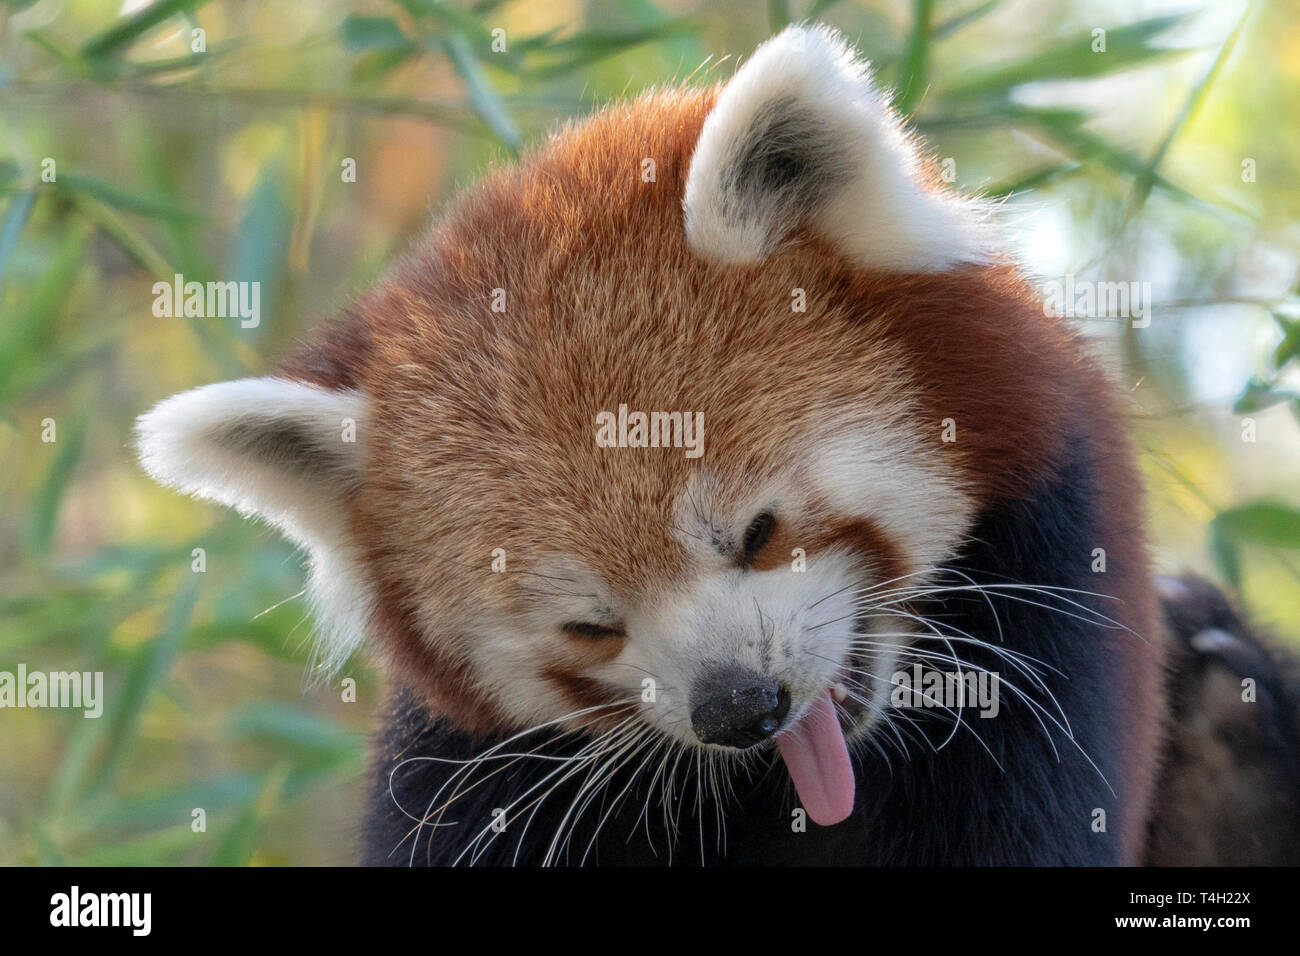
(1170, 158)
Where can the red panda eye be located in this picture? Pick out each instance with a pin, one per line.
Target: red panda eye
(757, 535)
(592, 631)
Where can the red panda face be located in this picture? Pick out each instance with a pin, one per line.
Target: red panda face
(649, 427)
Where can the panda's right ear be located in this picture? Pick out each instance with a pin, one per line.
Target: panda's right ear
(286, 451)
(803, 136)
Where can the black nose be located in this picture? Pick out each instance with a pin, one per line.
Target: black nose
(735, 708)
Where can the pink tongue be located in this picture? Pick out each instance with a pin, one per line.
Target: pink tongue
(818, 760)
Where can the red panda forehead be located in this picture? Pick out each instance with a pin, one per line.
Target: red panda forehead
(563, 293)
(570, 273)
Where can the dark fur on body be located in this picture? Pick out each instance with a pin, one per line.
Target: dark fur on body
(1230, 789)
(950, 806)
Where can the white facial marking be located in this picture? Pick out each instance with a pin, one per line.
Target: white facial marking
(882, 472)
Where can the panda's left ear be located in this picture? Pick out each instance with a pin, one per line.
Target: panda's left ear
(283, 450)
(801, 136)
(287, 452)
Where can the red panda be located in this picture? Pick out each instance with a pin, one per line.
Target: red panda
(680, 446)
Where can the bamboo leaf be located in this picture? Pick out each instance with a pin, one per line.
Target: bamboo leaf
(131, 28)
(17, 213)
(912, 69)
(483, 98)
(1146, 179)
(1086, 146)
(1035, 180)
(1261, 522)
(778, 15)
(314, 740)
(956, 22)
(124, 235)
(166, 846)
(820, 7)
(1226, 557)
(1127, 47)
(584, 49)
(450, 20)
(1289, 348)
(147, 673)
(240, 842)
(261, 245)
(1260, 395)
(67, 449)
(154, 206)
(361, 34)
(24, 333)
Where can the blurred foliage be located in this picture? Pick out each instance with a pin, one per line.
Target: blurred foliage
(221, 160)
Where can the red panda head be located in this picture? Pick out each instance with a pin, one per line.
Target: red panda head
(642, 421)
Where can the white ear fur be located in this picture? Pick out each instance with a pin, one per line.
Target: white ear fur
(802, 135)
(274, 448)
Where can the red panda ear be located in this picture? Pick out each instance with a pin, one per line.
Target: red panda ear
(800, 135)
(285, 451)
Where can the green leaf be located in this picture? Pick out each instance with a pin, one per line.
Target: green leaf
(67, 448)
(177, 64)
(26, 333)
(314, 742)
(1226, 557)
(1260, 395)
(1261, 522)
(1035, 180)
(956, 22)
(361, 34)
(130, 29)
(154, 206)
(262, 243)
(239, 843)
(16, 216)
(64, 55)
(46, 848)
(1127, 47)
(483, 98)
(148, 671)
(591, 46)
(124, 235)
(451, 21)
(778, 15)
(1146, 179)
(1064, 130)
(820, 7)
(1289, 348)
(167, 846)
(912, 69)
(174, 804)
(377, 64)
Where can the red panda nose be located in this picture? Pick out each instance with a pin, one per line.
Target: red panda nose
(734, 708)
